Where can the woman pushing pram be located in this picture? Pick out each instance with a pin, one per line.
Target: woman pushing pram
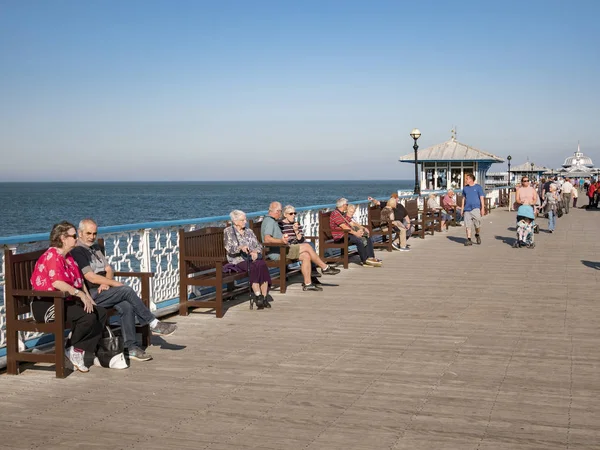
(525, 227)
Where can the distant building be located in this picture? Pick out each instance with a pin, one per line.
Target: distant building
(578, 166)
(444, 165)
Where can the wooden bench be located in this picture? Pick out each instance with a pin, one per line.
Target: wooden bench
(202, 256)
(282, 263)
(19, 294)
(419, 220)
(326, 242)
(378, 228)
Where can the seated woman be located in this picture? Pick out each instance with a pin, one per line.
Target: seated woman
(401, 227)
(433, 205)
(290, 227)
(245, 252)
(364, 236)
(56, 270)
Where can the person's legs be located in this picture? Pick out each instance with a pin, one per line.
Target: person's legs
(307, 249)
(567, 202)
(551, 221)
(402, 238)
(468, 225)
(305, 266)
(370, 250)
(362, 252)
(574, 202)
(111, 297)
(86, 329)
(127, 316)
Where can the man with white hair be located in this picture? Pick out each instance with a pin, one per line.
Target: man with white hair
(108, 292)
(338, 222)
(271, 234)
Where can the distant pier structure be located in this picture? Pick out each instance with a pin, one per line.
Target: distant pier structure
(443, 166)
(578, 166)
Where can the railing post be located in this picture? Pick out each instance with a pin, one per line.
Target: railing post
(146, 260)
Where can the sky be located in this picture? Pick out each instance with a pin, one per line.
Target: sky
(289, 90)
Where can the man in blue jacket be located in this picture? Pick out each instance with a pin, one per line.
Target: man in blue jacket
(473, 206)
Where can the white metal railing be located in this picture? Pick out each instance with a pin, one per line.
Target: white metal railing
(154, 247)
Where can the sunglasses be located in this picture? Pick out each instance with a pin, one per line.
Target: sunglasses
(292, 213)
(74, 236)
(525, 181)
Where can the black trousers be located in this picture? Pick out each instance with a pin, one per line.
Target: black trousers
(86, 328)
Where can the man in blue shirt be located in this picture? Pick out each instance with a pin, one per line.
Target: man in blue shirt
(473, 206)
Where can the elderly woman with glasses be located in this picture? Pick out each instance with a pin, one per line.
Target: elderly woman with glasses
(245, 252)
(293, 230)
(56, 270)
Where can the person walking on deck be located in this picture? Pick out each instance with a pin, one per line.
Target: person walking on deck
(567, 192)
(473, 206)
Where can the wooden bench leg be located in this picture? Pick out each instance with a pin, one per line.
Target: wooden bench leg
(219, 301)
(12, 348)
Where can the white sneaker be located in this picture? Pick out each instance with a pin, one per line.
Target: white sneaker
(404, 249)
(395, 247)
(75, 357)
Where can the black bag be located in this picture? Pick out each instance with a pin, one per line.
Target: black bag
(110, 351)
(536, 229)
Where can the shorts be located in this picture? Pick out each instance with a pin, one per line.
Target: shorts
(292, 252)
(473, 218)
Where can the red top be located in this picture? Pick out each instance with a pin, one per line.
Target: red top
(335, 220)
(53, 266)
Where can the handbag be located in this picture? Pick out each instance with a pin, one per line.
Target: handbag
(110, 351)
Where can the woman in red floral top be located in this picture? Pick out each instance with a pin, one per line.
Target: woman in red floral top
(56, 270)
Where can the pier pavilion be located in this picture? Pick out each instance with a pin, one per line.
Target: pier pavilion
(528, 169)
(443, 166)
(464, 354)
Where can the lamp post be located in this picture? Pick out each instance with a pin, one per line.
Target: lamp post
(532, 172)
(416, 134)
(509, 158)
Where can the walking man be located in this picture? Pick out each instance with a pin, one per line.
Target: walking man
(473, 206)
(567, 192)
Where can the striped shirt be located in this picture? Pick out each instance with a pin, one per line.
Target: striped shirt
(288, 228)
(335, 220)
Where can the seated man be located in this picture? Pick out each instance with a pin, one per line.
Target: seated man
(271, 234)
(338, 222)
(108, 292)
(450, 206)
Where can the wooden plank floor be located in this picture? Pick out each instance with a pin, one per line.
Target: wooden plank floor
(445, 347)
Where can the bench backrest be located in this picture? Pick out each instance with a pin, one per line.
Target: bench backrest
(412, 208)
(200, 249)
(324, 225)
(374, 216)
(19, 269)
(255, 226)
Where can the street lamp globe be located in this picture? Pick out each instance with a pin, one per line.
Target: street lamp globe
(415, 134)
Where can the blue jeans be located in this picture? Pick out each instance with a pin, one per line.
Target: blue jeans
(551, 220)
(129, 306)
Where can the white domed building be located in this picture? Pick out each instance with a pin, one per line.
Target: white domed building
(578, 166)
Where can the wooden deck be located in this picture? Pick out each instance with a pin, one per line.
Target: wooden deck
(445, 347)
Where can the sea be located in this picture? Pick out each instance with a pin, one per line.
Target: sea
(27, 208)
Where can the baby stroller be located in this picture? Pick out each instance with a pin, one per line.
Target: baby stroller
(525, 227)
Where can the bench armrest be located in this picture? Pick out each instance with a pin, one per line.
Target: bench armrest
(32, 293)
(134, 274)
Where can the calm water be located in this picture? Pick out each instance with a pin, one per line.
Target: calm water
(34, 207)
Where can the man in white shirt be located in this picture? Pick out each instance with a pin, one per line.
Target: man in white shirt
(567, 191)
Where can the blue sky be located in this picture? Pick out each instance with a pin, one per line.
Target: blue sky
(215, 90)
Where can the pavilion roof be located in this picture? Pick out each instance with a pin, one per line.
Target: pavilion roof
(451, 150)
